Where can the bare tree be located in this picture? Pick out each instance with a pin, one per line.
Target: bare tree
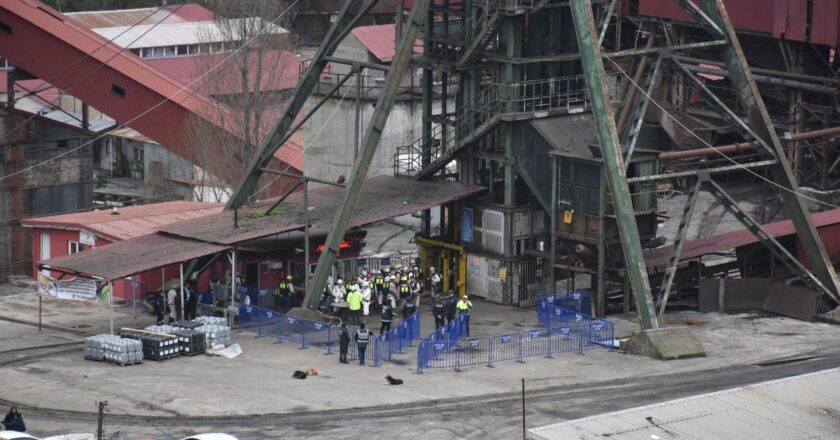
(248, 89)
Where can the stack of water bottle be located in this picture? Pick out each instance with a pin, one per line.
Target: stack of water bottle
(190, 340)
(211, 320)
(215, 334)
(113, 348)
(156, 348)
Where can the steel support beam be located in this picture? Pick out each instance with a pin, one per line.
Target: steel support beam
(768, 240)
(679, 241)
(613, 161)
(349, 16)
(636, 130)
(759, 121)
(371, 140)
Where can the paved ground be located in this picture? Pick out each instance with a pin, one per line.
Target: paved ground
(259, 381)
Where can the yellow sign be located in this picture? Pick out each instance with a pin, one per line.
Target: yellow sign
(567, 217)
(503, 274)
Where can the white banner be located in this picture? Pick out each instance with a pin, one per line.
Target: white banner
(83, 289)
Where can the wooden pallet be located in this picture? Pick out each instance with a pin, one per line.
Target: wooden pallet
(108, 361)
(196, 353)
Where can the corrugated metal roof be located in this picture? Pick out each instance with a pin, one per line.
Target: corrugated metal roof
(132, 221)
(752, 15)
(380, 40)
(794, 408)
(382, 197)
(94, 124)
(172, 34)
(731, 240)
(129, 17)
(132, 256)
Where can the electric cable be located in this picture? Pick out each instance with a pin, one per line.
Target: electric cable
(152, 108)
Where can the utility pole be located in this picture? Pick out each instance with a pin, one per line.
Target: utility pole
(100, 433)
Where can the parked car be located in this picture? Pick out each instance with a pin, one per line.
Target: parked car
(212, 436)
(14, 435)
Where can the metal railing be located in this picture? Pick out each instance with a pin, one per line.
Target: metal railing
(542, 97)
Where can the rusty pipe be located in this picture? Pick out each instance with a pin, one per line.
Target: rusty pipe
(630, 96)
(743, 146)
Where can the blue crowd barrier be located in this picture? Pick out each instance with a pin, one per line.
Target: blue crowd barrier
(488, 350)
(596, 332)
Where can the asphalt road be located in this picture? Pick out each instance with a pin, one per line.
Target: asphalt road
(485, 417)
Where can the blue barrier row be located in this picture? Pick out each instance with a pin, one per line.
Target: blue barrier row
(383, 347)
(514, 346)
(596, 332)
(308, 333)
(287, 328)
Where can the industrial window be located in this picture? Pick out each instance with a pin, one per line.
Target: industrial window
(138, 154)
(5, 28)
(170, 51)
(494, 231)
(117, 90)
(74, 247)
(183, 49)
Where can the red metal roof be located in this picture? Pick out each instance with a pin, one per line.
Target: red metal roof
(192, 12)
(44, 43)
(380, 40)
(731, 240)
(131, 222)
(753, 15)
(132, 256)
(281, 73)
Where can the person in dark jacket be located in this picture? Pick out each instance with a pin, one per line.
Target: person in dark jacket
(343, 343)
(439, 312)
(159, 305)
(386, 317)
(14, 421)
(192, 301)
(451, 309)
(362, 337)
(326, 301)
(408, 307)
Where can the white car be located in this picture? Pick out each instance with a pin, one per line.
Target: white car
(14, 435)
(213, 436)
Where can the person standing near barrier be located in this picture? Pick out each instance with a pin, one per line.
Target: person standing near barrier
(464, 305)
(408, 308)
(362, 337)
(451, 308)
(343, 343)
(192, 300)
(284, 294)
(387, 317)
(366, 297)
(354, 303)
(404, 288)
(439, 312)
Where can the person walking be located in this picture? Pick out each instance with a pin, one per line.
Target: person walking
(354, 303)
(14, 421)
(439, 312)
(451, 310)
(464, 305)
(386, 317)
(362, 337)
(379, 286)
(343, 343)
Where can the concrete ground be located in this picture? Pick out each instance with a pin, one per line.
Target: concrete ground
(260, 382)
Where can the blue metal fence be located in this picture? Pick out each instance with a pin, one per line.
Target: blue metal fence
(563, 331)
(308, 333)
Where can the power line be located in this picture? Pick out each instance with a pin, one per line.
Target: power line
(86, 56)
(703, 141)
(167, 99)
